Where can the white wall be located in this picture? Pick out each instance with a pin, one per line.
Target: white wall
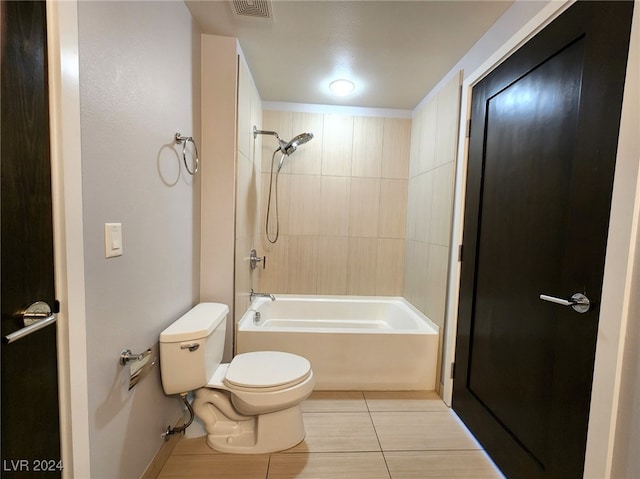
(219, 63)
(625, 460)
(139, 85)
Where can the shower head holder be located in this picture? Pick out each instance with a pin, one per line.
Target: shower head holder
(257, 132)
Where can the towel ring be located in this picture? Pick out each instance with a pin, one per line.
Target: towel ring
(184, 140)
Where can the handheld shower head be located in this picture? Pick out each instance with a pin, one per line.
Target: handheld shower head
(285, 149)
(288, 148)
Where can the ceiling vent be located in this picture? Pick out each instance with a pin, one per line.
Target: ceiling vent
(252, 8)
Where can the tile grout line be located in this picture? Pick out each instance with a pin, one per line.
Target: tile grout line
(268, 466)
(412, 450)
(384, 458)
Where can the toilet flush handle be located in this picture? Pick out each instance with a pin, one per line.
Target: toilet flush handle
(190, 346)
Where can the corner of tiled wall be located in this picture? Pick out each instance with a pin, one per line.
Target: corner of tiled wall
(248, 180)
(434, 136)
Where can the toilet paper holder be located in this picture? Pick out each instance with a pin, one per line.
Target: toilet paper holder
(139, 365)
(126, 356)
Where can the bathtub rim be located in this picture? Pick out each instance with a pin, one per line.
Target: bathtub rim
(245, 323)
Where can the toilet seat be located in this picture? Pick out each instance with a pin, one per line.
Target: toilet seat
(264, 381)
(265, 371)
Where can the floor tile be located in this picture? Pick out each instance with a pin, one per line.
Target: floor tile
(403, 401)
(351, 465)
(338, 432)
(353, 435)
(441, 464)
(417, 431)
(216, 466)
(335, 401)
(196, 445)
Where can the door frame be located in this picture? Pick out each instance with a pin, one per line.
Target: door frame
(68, 236)
(621, 245)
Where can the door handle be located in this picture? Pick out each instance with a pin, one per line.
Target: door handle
(579, 302)
(34, 318)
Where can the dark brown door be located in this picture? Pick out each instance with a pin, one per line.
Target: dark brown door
(541, 160)
(30, 418)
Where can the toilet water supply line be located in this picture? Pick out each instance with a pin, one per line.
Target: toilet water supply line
(176, 430)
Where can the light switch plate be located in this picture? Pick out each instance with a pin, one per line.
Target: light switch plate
(112, 240)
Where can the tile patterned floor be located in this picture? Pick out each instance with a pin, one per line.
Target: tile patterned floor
(353, 435)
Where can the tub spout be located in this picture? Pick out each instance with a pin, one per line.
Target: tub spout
(254, 294)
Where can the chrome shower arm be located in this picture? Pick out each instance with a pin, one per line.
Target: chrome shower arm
(257, 132)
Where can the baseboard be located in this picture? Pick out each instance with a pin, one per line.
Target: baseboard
(157, 463)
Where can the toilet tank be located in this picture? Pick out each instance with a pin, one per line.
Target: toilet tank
(191, 348)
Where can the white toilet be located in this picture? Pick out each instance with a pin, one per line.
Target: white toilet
(250, 405)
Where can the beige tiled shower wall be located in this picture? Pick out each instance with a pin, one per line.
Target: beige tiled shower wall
(342, 201)
(434, 136)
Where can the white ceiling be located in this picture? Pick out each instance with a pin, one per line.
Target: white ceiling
(395, 51)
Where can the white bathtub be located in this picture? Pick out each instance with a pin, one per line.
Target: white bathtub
(352, 342)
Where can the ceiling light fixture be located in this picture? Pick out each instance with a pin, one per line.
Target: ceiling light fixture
(341, 87)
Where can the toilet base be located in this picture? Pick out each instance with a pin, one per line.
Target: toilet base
(260, 434)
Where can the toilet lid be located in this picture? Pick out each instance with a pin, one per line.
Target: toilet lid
(266, 369)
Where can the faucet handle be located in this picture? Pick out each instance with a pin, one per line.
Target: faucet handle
(254, 259)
